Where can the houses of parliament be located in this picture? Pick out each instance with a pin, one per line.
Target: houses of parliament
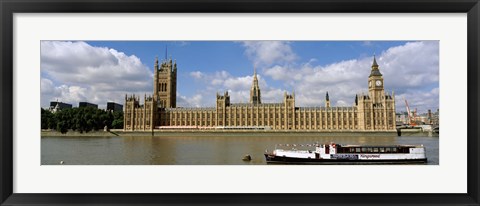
(374, 111)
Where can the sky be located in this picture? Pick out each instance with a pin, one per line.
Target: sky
(103, 71)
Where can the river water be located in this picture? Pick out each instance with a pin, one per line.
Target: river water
(198, 149)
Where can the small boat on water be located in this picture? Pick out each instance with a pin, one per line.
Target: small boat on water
(348, 154)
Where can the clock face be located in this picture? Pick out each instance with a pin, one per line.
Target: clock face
(378, 83)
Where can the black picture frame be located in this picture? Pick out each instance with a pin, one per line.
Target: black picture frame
(10, 7)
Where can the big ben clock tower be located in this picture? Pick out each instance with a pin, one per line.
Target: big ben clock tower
(375, 83)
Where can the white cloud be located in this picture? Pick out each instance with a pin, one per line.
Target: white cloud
(75, 94)
(194, 101)
(279, 73)
(237, 87)
(412, 65)
(196, 75)
(77, 71)
(239, 83)
(420, 100)
(46, 86)
(272, 95)
(82, 72)
(63, 93)
(407, 68)
(342, 80)
(266, 53)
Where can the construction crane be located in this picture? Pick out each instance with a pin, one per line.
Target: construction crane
(415, 116)
(411, 117)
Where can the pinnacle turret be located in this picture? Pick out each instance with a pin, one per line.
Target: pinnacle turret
(374, 62)
(327, 100)
(375, 71)
(255, 90)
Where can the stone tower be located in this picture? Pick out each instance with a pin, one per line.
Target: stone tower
(375, 83)
(255, 90)
(289, 105)
(223, 102)
(165, 83)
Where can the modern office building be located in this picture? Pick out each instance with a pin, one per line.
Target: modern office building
(112, 106)
(57, 106)
(87, 104)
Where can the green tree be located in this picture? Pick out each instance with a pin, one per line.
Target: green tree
(62, 127)
(117, 122)
(83, 119)
(47, 119)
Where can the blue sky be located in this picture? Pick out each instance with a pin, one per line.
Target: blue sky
(101, 71)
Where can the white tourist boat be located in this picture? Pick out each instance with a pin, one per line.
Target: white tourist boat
(350, 154)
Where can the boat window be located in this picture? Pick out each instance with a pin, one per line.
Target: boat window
(357, 150)
(387, 150)
(364, 149)
(369, 150)
(375, 149)
(352, 150)
(394, 150)
(382, 149)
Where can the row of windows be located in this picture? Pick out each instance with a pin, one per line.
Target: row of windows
(274, 126)
(137, 115)
(243, 115)
(323, 122)
(162, 87)
(264, 120)
(272, 113)
(271, 123)
(138, 122)
(373, 150)
(307, 123)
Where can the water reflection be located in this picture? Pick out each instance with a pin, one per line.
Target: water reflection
(184, 149)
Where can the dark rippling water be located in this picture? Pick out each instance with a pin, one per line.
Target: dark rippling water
(198, 149)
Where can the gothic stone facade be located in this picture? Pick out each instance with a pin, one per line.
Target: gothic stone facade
(374, 111)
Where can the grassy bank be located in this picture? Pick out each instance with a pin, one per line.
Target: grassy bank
(77, 134)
